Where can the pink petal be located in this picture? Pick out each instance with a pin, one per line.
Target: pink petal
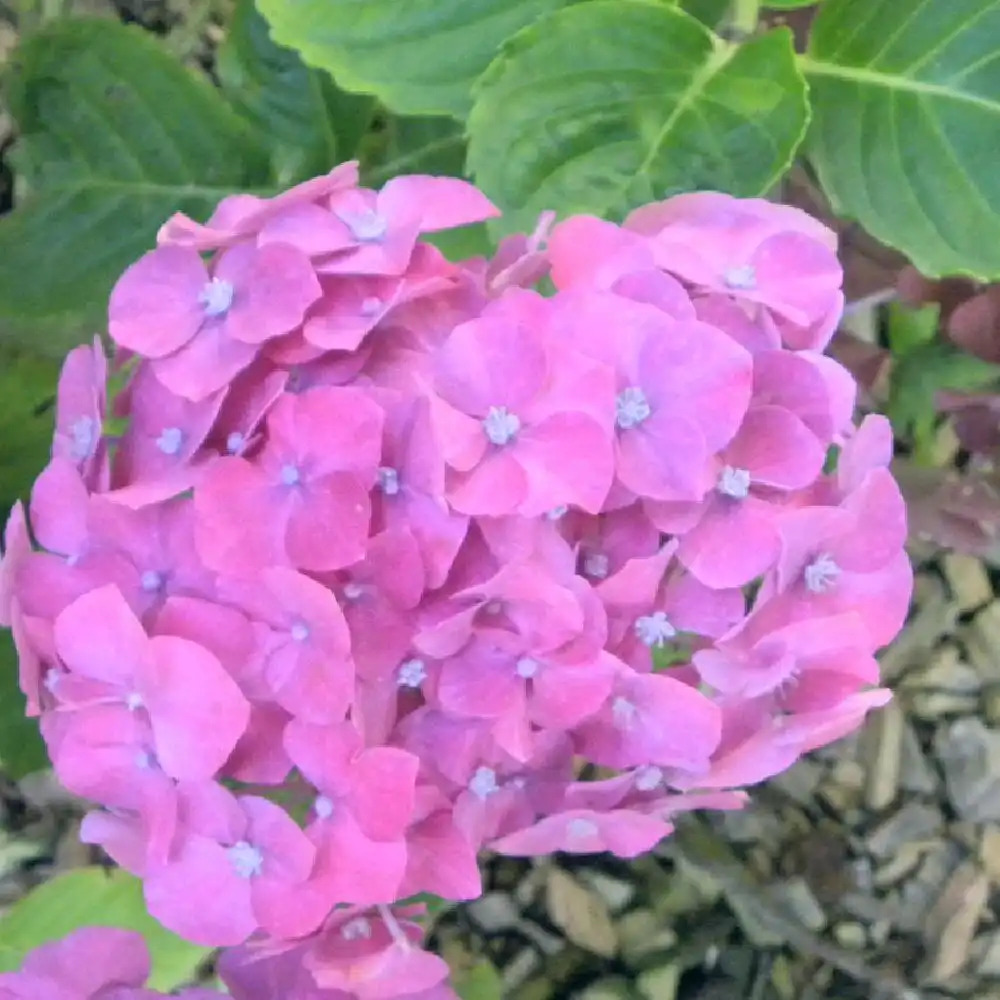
(197, 711)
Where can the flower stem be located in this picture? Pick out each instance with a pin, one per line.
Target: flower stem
(744, 17)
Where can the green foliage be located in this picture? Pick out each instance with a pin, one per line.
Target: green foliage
(481, 982)
(94, 897)
(663, 106)
(927, 368)
(789, 4)
(417, 56)
(310, 125)
(906, 107)
(115, 136)
(27, 391)
(22, 750)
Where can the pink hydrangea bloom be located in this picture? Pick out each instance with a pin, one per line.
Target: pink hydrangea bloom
(387, 546)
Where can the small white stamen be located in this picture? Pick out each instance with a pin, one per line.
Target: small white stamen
(734, 483)
(366, 227)
(654, 629)
(133, 701)
(300, 631)
(82, 432)
(170, 440)
(246, 859)
(388, 480)
(358, 928)
(216, 297)
(743, 279)
(527, 667)
(596, 565)
(353, 591)
(623, 712)
(412, 673)
(371, 305)
(484, 783)
(151, 581)
(323, 806)
(500, 426)
(821, 574)
(648, 777)
(580, 828)
(631, 407)
(558, 513)
(289, 475)
(235, 443)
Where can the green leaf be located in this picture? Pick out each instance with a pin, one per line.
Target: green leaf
(417, 56)
(94, 897)
(414, 145)
(917, 377)
(309, 126)
(22, 750)
(789, 4)
(906, 107)
(115, 136)
(610, 104)
(909, 328)
(481, 982)
(27, 393)
(709, 12)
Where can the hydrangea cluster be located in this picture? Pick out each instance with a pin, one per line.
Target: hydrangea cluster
(372, 561)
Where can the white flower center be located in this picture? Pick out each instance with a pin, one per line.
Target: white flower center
(631, 407)
(323, 806)
(484, 783)
(359, 927)
(580, 828)
(623, 712)
(371, 305)
(412, 673)
(821, 574)
(170, 440)
(596, 565)
(743, 279)
(654, 629)
(353, 591)
(557, 513)
(366, 227)
(246, 859)
(500, 426)
(133, 701)
(216, 297)
(235, 443)
(289, 475)
(151, 581)
(648, 777)
(388, 480)
(734, 483)
(300, 631)
(82, 433)
(527, 667)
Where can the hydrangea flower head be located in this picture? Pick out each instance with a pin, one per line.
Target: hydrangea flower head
(388, 544)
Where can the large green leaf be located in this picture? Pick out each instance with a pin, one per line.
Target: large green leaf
(22, 750)
(27, 391)
(115, 136)
(906, 111)
(94, 897)
(308, 123)
(606, 105)
(417, 56)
